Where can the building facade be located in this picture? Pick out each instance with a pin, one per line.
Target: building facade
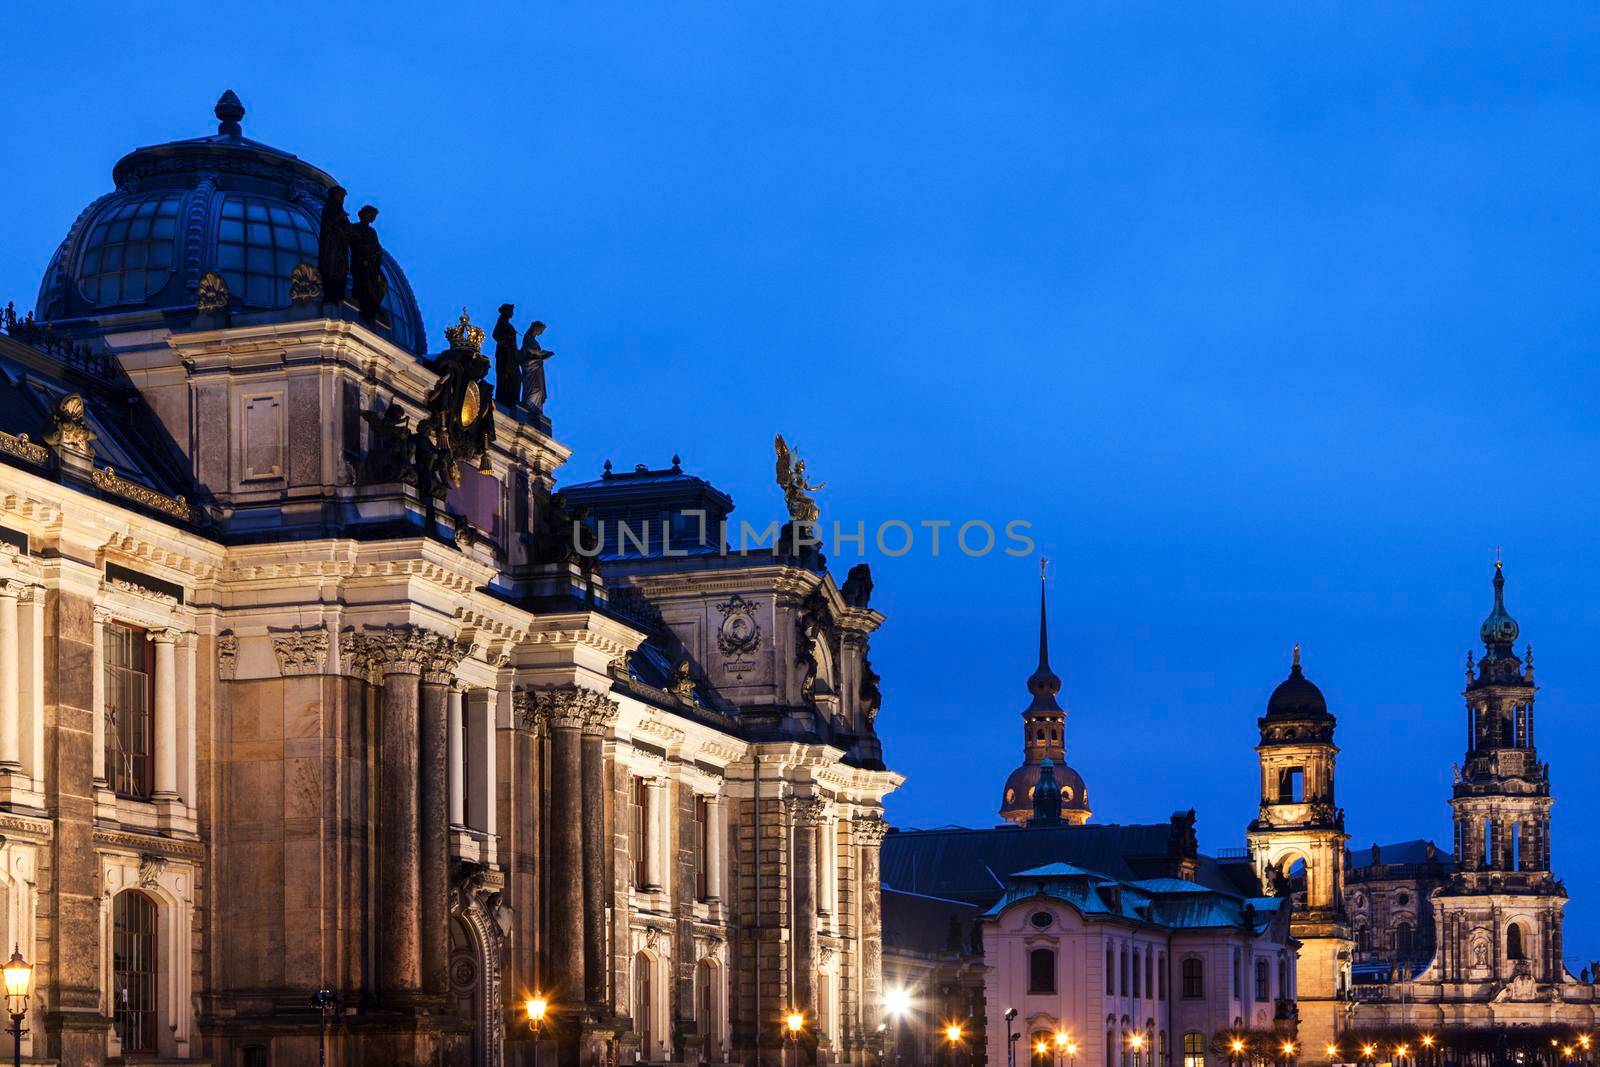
(307, 682)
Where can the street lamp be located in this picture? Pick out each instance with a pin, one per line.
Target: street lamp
(326, 1001)
(1236, 1046)
(19, 978)
(1011, 1038)
(1136, 1043)
(793, 1023)
(1288, 1052)
(897, 1004)
(1333, 1053)
(535, 1007)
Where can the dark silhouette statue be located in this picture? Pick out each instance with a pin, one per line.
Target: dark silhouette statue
(366, 266)
(333, 247)
(534, 354)
(508, 361)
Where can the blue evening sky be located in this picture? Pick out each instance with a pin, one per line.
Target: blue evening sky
(1274, 321)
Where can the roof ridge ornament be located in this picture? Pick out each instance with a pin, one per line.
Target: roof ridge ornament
(229, 111)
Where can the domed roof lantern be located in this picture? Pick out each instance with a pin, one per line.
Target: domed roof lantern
(229, 111)
(1296, 696)
(1043, 683)
(1499, 631)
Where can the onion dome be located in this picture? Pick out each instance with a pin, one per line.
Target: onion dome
(221, 203)
(1296, 696)
(1499, 631)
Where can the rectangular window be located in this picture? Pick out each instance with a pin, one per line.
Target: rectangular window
(1042, 971)
(641, 831)
(1194, 1050)
(1292, 785)
(1194, 979)
(1263, 977)
(1161, 977)
(130, 711)
(702, 844)
(1238, 979)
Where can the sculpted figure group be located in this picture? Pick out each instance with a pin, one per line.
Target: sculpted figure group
(350, 257)
(519, 368)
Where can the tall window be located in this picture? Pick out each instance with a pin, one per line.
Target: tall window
(1194, 979)
(133, 970)
(702, 844)
(705, 1004)
(1514, 948)
(1404, 939)
(1263, 980)
(1194, 1049)
(1292, 785)
(644, 1016)
(130, 711)
(1284, 992)
(1161, 977)
(1238, 977)
(641, 831)
(1136, 972)
(1124, 970)
(1111, 971)
(1042, 971)
(1149, 976)
(1363, 938)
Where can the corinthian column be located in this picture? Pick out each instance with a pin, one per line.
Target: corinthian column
(166, 712)
(10, 676)
(400, 653)
(868, 831)
(808, 815)
(564, 711)
(599, 715)
(434, 809)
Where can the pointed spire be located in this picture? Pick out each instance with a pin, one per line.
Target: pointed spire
(1043, 683)
(1499, 631)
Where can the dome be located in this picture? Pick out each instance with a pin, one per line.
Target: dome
(1016, 800)
(1499, 631)
(1296, 696)
(221, 203)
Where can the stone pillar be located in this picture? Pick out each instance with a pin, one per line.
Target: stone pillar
(455, 756)
(716, 828)
(433, 807)
(808, 815)
(399, 856)
(479, 716)
(869, 831)
(564, 713)
(599, 715)
(97, 684)
(166, 712)
(10, 677)
(653, 803)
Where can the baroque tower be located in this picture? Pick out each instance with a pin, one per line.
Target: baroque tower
(1044, 743)
(1297, 846)
(1500, 917)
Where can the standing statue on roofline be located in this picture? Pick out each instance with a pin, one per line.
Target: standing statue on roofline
(508, 361)
(333, 247)
(791, 476)
(534, 391)
(366, 266)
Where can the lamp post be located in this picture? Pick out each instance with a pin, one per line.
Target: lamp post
(1288, 1052)
(1063, 1039)
(794, 1022)
(535, 1008)
(1011, 1038)
(19, 979)
(1236, 1047)
(952, 1034)
(1136, 1044)
(897, 1005)
(326, 1001)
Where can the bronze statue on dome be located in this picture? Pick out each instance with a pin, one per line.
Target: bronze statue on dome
(366, 266)
(791, 476)
(333, 247)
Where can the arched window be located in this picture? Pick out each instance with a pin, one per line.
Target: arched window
(1363, 938)
(1194, 1049)
(133, 970)
(1284, 992)
(1194, 978)
(1514, 947)
(1042, 970)
(1111, 971)
(644, 1016)
(706, 1000)
(1403, 940)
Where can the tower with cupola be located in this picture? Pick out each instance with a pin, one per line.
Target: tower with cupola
(1297, 847)
(1500, 916)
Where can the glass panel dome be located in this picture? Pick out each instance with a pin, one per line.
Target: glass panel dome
(129, 252)
(259, 243)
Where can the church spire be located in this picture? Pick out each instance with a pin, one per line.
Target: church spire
(1043, 683)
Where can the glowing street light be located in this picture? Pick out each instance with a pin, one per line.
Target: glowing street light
(897, 1001)
(1368, 1050)
(19, 981)
(1333, 1052)
(952, 1033)
(1288, 1049)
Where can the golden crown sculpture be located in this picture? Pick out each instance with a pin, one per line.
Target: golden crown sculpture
(464, 335)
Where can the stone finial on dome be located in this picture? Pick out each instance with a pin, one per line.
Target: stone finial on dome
(229, 111)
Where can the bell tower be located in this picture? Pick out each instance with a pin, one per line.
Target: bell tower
(1500, 918)
(1297, 846)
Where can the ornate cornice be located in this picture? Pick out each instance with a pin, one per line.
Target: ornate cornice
(450, 580)
(301, 651)
(122, 585)
(107, 480)
(24, 449)
(149, 845)
(659, 729)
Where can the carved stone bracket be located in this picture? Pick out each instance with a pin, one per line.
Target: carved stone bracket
(302, 651)
(227, 655)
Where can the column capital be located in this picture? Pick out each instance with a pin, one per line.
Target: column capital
(301, 651)
(567, 708)
(809, 811)
(12, 589)
(165, 635)
(406, 648)
(103, 616)
(869, 829)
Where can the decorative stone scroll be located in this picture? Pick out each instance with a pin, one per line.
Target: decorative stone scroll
(302, 651)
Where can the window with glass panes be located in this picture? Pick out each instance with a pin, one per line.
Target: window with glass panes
(259, 243)
(1194, 978)
(130, 711)
(129, 252)
(702, 839)
(641, 830)
(1263, 977)
(133, 971)
(1194, 1049)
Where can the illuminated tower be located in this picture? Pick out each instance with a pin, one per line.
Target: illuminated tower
(1500, 918)
(1044, 740)
(1297, 845)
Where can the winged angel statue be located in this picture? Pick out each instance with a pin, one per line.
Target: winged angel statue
(792, 480)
